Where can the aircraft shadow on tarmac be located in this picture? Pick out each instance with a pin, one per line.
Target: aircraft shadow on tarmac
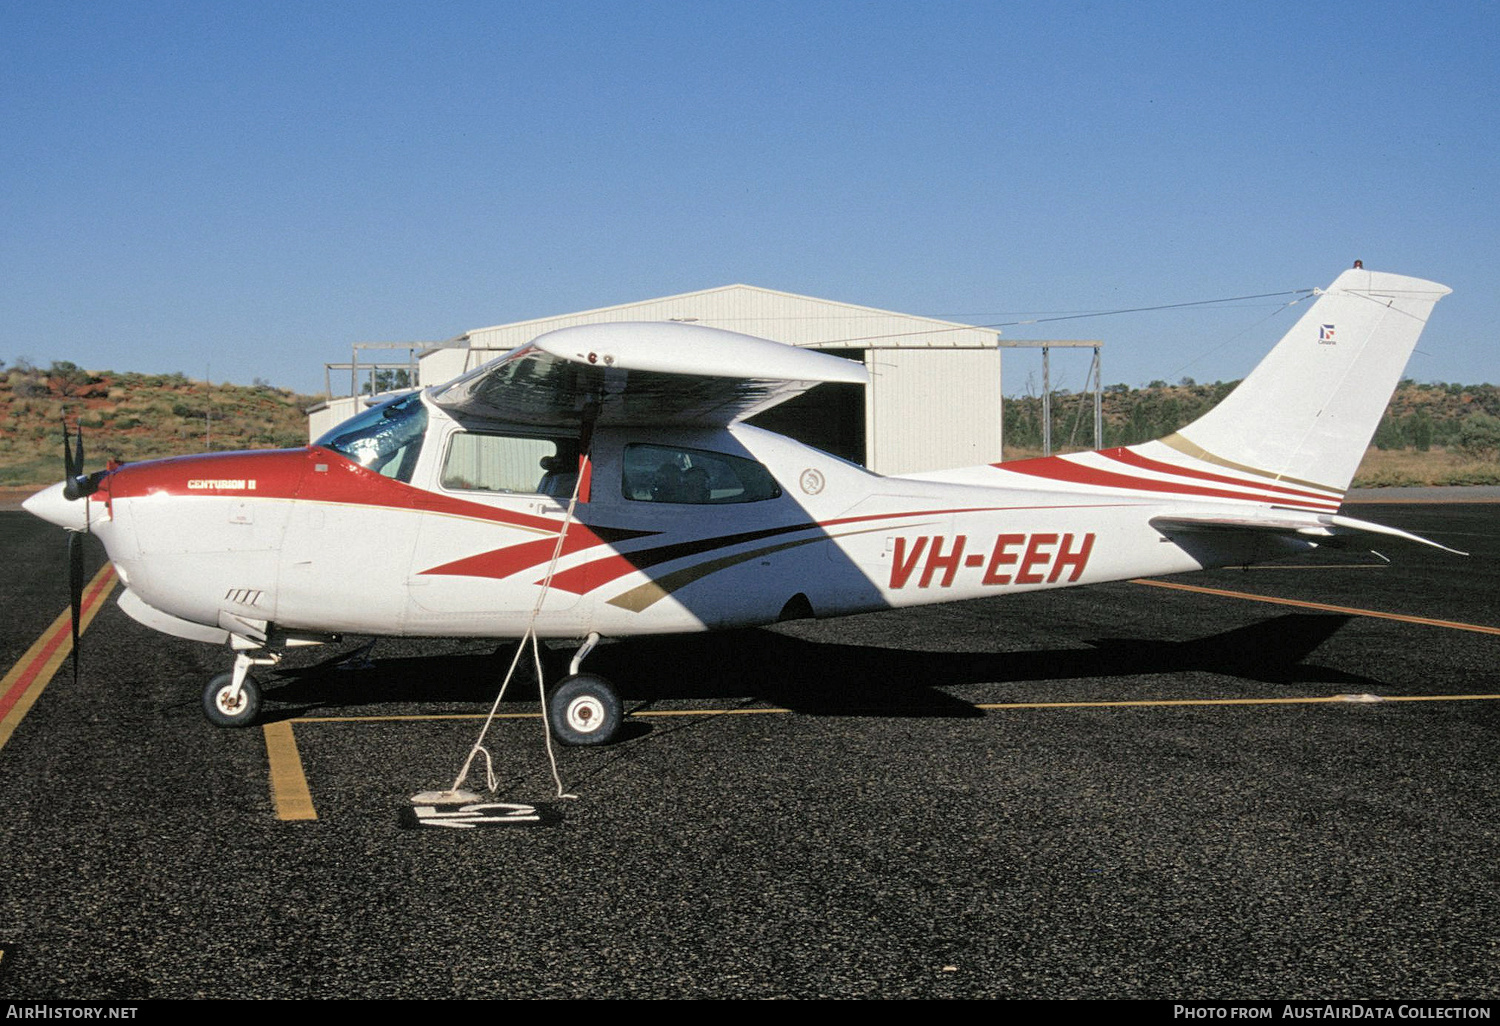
(819, 677)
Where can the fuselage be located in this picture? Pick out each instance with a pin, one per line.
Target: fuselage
(463, 530)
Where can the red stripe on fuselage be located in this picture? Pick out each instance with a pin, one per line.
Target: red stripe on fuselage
(513, 559)
(1135, 459)
(588, 576)
(269, 474)
(295, 474)
(1058, 469)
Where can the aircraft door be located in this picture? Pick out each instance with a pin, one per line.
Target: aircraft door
(485, 543)
(702, 531)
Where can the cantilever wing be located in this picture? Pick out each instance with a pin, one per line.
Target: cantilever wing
(640, 374)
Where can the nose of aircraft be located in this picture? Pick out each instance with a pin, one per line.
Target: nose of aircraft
(50, 505)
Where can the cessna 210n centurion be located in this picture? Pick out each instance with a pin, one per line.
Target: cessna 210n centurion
(600, 482)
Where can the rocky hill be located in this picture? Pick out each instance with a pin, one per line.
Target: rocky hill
(1431, 434)
(129, 416)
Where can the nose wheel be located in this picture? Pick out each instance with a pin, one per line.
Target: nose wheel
(228, 706)
(584, 710)
(233, 699)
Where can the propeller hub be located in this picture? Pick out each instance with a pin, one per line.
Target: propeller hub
(51, 505)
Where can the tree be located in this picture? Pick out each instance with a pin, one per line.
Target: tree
(389, 381)
(67, 377)
(1419, 430)
(1479, 437)
(1389, 434)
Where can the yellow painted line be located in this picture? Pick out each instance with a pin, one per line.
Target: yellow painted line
(1438, 698)
(23, 685)
(714, 712)
(1324, 566)
(417, 717)
(1110, 704)
(1316, 700)
(289, 791)
(1321, 606)
(293, 801)
(1417, 502)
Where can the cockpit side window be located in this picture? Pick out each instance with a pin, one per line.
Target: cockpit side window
(669, 473)
(386, 438)
(489, 462)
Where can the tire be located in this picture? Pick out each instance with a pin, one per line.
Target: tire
(584, 710)
(216, 695)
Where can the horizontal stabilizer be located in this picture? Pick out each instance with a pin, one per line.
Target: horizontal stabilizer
(1328, 526)
(1351, 524)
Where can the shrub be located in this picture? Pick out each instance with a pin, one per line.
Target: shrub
(1478, 437)
(1389, 434)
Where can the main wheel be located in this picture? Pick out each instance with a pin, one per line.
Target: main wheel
(221, 711)
(584, 710)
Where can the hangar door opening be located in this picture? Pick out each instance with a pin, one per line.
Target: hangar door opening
(830, 417)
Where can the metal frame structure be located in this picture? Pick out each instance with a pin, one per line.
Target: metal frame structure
(1046, 346)
(355, 366)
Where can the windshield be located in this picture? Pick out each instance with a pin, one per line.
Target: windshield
(386, 438)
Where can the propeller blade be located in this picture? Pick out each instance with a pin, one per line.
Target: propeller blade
(75, 589)
(77, 484)
(70, 469)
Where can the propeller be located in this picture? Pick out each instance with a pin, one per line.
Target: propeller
(76, 485)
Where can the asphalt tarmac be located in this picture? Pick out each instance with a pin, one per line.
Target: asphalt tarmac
(914, 804)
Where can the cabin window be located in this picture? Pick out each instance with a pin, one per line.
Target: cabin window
(669, 473)
(511, 463)
(386, 438)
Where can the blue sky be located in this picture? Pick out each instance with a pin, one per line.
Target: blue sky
(250, 187)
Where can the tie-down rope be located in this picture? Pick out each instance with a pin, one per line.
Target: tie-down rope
(529, 636)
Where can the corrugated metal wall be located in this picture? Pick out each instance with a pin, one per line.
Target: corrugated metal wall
(934, 399)
(931, 410)
(766, 313)
(323, 418)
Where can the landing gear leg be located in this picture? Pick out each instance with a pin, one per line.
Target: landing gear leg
(584, 709)
(233, 699)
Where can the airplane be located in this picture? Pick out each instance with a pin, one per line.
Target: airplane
(600, 482)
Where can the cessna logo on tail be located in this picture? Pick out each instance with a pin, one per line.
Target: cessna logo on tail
(1013, 559)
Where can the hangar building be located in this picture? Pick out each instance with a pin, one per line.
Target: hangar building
(933, 400)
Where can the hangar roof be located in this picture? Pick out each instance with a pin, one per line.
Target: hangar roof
(780, 316)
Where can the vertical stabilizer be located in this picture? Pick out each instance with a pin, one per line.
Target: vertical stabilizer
(1306, 414)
